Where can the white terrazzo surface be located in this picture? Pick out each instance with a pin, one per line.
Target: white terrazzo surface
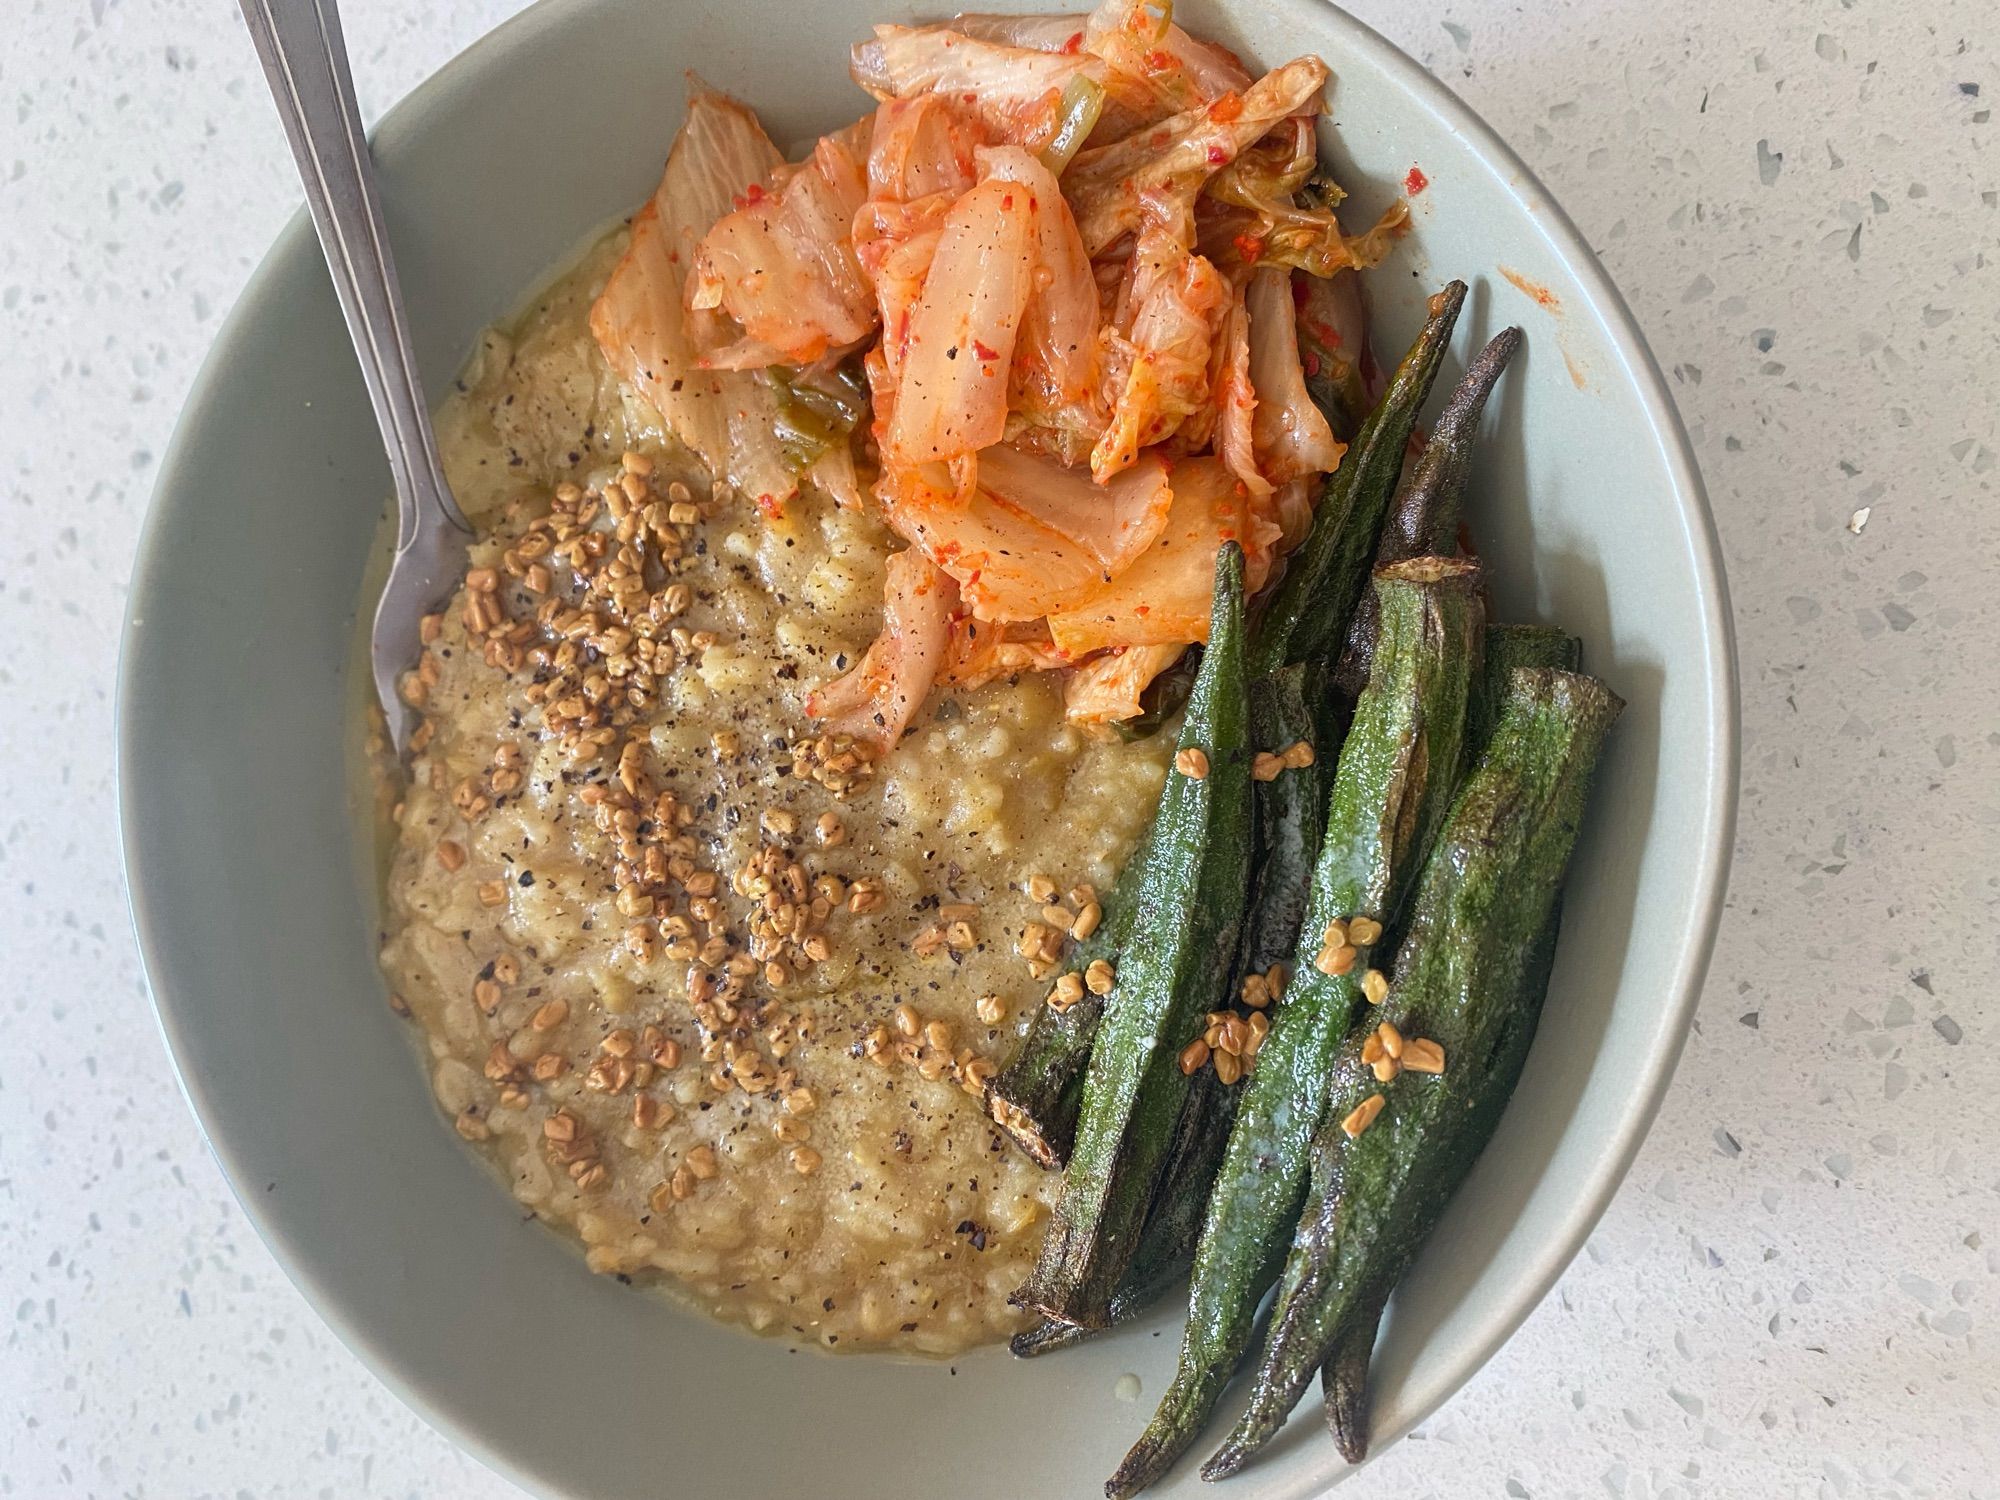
(1797, 1291)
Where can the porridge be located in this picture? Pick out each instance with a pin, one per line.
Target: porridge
(714, 991)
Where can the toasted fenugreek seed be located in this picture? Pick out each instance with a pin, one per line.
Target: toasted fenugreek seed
(1194, 1055)
(959, 936)
(1266, 767)
(1192, 763)
(1361, 931)
(1386, 1068)
(978, 1071)
(549, 1015)
(1041, 889)
(682, 1182)
(991, 1009)
(451, 854)
(1422, 1055)
(1081, 894)
(1058, 917)
(1391, 1038)
(430, 628)
(1255, 993)
(939, 1035)
(906, 1020)
(549, 1065)
(726, 744)
(801, 1101)
(1100, 978)
(1375, 986)
(1088, 919)
(1228, 1068)
(1333, 960)
(560, 1127)
(792, 1131)
(486, 995)
(1260, 1027)
(493, 893)
(805, 1161)
(482, 580)
(830, 830)
(776, 820)
(470, 1126)
(1298, 754)
(646, 1112)
(1068, 990)
(1363, 1115)
(1225, 1039)
(1335, 935)
(683, 513)
(701, 1161)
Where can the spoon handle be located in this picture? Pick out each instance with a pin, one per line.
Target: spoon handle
(305, 62)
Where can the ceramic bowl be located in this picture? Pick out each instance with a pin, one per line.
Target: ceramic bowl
(249, 878)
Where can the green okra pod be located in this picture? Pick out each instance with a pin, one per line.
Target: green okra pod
(1186, 917)
(1423, 516)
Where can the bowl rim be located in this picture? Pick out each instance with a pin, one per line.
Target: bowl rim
(407, 119)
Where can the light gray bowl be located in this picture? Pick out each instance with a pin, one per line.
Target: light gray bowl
(239, 692)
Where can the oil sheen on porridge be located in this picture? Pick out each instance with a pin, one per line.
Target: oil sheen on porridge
(712, 992)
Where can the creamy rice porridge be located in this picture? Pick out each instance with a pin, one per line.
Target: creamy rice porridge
(714, 993)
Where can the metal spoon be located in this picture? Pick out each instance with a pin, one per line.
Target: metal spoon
(305, 63)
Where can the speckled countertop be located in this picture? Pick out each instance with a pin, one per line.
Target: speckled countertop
(1797, 1291)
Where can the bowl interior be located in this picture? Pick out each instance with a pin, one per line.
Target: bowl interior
(238, 697)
